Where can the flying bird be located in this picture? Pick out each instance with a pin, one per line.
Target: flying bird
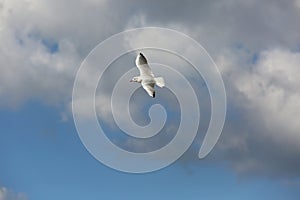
(146, 77)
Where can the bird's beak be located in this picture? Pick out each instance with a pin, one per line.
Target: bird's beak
(130, 81)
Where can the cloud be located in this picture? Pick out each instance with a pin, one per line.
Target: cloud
(6, 194)
(29, 67)
(42, 46)
(35, 71)
(261, 135)
(220, 24)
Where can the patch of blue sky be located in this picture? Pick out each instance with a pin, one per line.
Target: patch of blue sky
(51, 45)
(252, 57)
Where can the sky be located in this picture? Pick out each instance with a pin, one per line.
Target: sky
(255, 45)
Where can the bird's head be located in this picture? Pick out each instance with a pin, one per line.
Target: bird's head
(136, 79)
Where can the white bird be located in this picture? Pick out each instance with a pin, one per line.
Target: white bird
(146, 77)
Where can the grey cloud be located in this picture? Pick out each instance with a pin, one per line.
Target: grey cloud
(218, 24)
(6, 194)
(29, 68)
(261, 133)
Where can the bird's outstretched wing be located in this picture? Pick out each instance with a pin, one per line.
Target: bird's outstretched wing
(142, 65)
(149, 87)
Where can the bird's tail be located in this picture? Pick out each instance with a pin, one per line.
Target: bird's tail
(160, 81)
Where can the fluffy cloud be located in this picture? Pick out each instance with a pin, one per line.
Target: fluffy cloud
(261, 134)
(6, 194)
(43, 44)
(32, 65)
(255, 44)
(273, 92)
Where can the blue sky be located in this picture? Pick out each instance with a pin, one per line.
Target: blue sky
(44, 158)
(255, 45)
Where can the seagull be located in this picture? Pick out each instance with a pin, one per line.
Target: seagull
(146, 77)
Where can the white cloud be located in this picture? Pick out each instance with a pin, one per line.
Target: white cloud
(6, 194)
(28, 67)
(262, 131)
(42, 44)
(272, 91)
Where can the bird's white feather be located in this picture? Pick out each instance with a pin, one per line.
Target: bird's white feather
(142, 65)
(149, 89)
(159, 81)
(146, 77)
